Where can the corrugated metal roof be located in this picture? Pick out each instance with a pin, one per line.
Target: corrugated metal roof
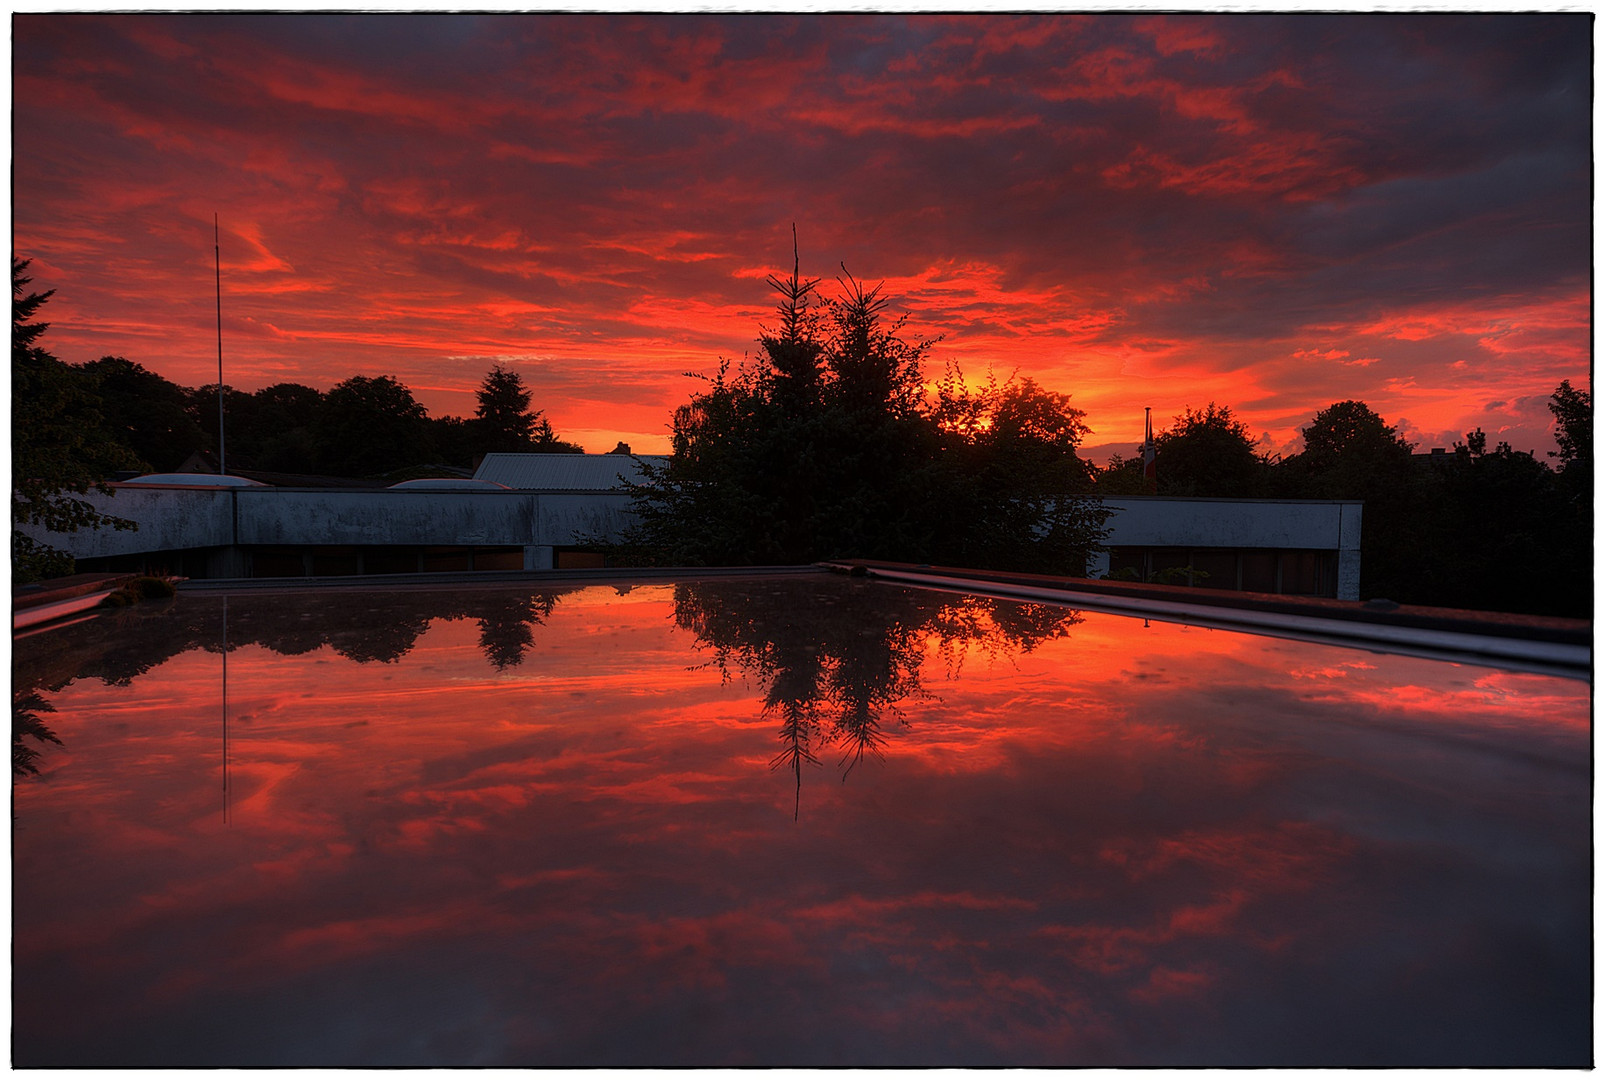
(562, 472)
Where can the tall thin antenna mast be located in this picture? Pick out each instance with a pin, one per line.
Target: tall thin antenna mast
(217, 255)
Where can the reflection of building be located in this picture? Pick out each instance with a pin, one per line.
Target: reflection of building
(552, 507)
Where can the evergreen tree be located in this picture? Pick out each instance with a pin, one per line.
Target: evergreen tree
(826, 447)
(794, 348)
(1122, 476)
(505, 424)
(456, 440)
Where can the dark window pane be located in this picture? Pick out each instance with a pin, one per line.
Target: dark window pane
(333, 565)
(1301, 573)
(1215, 569)
(277, 564)
(1259, 571)
(505, 559)
(441, 560)
(389, 561)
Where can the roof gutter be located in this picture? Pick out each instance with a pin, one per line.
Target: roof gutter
(1529, 643)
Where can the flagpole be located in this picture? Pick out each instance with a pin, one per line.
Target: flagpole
(217, 256)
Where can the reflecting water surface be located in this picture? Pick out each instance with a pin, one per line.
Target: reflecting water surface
(788, 821)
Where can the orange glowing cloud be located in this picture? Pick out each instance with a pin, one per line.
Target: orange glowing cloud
(1138, 210)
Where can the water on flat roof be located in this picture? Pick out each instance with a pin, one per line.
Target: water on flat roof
(790, 821)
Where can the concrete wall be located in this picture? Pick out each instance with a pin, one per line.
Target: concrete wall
(1156, 521)
(172, 519)
(289, 517)
(169, 519)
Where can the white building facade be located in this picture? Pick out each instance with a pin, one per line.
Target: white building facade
(559, 509)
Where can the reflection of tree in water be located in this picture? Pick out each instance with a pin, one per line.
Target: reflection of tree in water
(837, 661)
(26, 705)
(507, 626)
(366, 627)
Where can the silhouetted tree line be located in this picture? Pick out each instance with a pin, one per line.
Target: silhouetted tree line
(827, 445)
(112, 414)
(362, 427)
(1491, 529)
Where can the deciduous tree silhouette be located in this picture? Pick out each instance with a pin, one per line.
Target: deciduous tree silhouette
(1208, 453)
(148, 414)
(1351, 453)
(1574, 425)
(369, 426)
(1347, 447)
(59, 442)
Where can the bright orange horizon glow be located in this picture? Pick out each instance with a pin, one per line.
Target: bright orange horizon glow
(1270, 212)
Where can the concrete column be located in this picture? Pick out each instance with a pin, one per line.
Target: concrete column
(537, 557)
(1348, 560)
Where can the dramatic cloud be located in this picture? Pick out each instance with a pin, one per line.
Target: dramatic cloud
(1271, 211)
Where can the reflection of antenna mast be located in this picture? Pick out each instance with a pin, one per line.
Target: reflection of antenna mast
(217, 257)
(225, 710)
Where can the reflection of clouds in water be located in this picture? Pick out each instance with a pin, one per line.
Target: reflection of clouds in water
(1055, 864)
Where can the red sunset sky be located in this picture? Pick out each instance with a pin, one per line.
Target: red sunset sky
(1274, 212)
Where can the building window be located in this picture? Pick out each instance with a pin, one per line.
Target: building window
(1267, 570)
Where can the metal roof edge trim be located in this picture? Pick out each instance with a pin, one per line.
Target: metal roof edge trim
(1490, 644)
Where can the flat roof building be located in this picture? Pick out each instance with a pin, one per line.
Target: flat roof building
(558, 511)
(563, 472)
